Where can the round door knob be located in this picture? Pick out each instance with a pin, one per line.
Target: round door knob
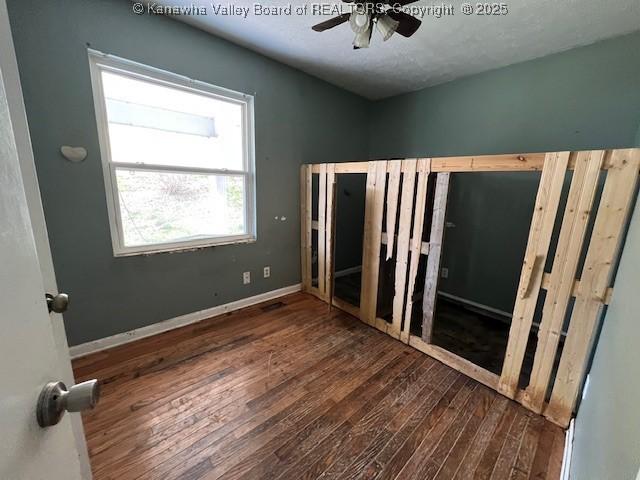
(55, 399)
(58, 303)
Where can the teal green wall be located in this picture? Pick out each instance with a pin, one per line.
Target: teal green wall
(298, 118)
(581, 99)
(584, 98)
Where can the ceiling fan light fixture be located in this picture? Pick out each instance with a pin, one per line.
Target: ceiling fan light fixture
(387, 26)
(359, 21)
(362, 39)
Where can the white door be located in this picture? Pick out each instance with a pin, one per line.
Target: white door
(29, 357)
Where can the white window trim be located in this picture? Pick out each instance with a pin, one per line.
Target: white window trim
(98, 62)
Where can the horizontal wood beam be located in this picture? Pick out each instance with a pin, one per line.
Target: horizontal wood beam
(576, 288)
(512, 162)
(424, 247)
(460, 364)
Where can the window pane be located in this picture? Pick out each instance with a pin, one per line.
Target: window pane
(161, 207)
(162, 125)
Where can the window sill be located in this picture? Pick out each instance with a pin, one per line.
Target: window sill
(180, 248)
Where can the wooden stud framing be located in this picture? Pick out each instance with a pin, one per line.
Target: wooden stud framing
(563, 273)
(576, 288)
(457, 363)
(418, 221)
(546, 208)
(611, 219)
(404, 235)
(305, 226)
(374, 209)
(521, 162)
(322, 222)
(330, 232)
(393, 188)
(436, 237)
(592, 291)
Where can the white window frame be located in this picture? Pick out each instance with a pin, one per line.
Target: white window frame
(99, 62)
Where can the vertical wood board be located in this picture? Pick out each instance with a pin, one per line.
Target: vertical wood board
(393, 189)
(574, 226)
(424, 165)
(305, 225)
(322, 224)
(329, 231)
(404, 235)
(612, 216)
(544, 215)
(374, 209)
(436, 238)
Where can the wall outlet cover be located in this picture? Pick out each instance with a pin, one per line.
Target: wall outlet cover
(444, 272)
(246, 278)
(267, 272)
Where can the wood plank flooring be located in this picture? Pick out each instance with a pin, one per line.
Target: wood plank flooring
(287, 390)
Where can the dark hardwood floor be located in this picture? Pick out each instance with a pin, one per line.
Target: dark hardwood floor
(288, 390)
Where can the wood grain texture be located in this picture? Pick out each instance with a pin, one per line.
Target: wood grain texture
(372, 238)
(546, 208)
(563, 273)
(416, 243)
(436, 237)
(403, 245)
(322, 229)
(305, 227)
(393, 189)
(330, 228)
(611, 218)
(293, 391)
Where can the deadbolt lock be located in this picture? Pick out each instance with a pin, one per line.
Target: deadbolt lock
(55, 399)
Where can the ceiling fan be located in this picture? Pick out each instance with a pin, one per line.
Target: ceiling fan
(386, 15)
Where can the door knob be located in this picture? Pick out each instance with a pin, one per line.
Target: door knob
(58, 303)
(55, 399)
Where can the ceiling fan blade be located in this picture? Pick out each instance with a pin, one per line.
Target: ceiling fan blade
(332, 22)
(407, 24)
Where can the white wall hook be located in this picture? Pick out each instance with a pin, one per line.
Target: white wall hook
(73, 154)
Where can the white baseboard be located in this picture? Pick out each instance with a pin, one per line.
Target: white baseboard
(121, 338)
(347, 271)
(495, 311)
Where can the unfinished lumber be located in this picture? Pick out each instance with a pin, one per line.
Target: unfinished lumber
(330, 232)
(404, 234)
(489, 163)
(374, 208)
(393, 188)
(456, 362)
(546, 208)
(305, 226)
(611, 218)
(416, 244)
(322, 225)
(565, 263)
(436, 238)
(424, 248)
(576, 288)
(477, 163)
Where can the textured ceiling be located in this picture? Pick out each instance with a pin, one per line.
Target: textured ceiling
(443, 48)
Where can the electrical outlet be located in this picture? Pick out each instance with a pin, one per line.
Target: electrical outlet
(246, 278)
(444, 272)
(266, 272)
